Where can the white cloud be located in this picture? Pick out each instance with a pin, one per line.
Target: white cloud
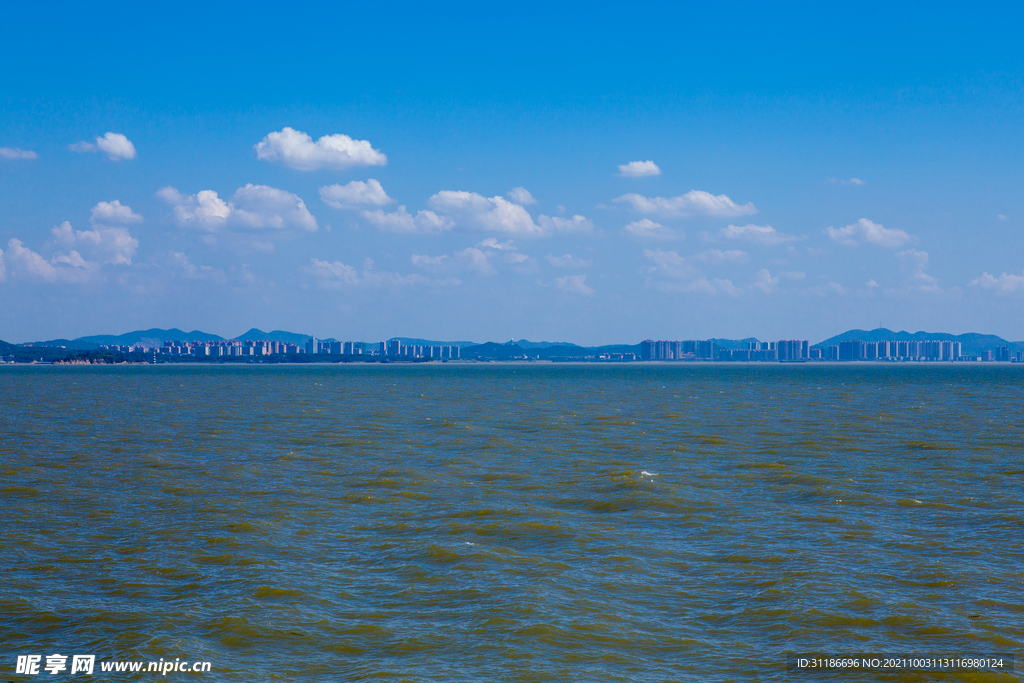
(718, 256)
(645, 227)
(849, 181)
(337, 275)
(253, 207)
(476, 260)
(297, 150)
(682, 276)
(576, 284)
(424, 261)
(568, 261)
(865, 231)
(1004, 284)
(113, 212)
(355, 194)
(520, 195)
(871, 284)
(758, 234)
(825, 290)
(1002, 217)
(105, 245)
(16, 153)
(3, 269)
(493, 243)
(577, 224)
(402, 221)
(639, 169)
(191, 271)
(764, 281)
(495, 214)
(64, 268)
(914, 264)
(479, 259)
(115, 145)
(693, 203)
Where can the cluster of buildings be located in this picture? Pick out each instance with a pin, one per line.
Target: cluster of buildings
(210, 348)
(944, 350)
(694, 349)
(396, 349)
(677, 350)
(393, 349)
(793, 350)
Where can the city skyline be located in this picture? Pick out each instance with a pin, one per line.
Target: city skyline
(671, 187)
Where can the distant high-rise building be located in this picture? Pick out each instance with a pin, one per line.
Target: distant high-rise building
(851, 350)
(1003, 354)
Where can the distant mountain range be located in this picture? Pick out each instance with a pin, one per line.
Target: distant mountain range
(972, 343)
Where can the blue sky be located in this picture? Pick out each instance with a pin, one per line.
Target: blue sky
(810, 170)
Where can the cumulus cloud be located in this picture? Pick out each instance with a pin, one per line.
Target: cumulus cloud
(577, 284)
(758, 234)
(16, 153)
(77, 256)
(115, 145)
(338, 275)
(568, 261)
(717, 256)
(520, 195)
(914, 264)
(113, 212)
(24, 261)
(764, 281)
(639, 169)
(252, 208)
(693, 203)
(297, 150)
(474, 259)
(402, 221)
(62, 268)
(355, 194)
(1004, 284)
(495, 214)
(647, 228)
(848, 181)
(577, 224)
(103, 244)
(865, 231)
(671, 272)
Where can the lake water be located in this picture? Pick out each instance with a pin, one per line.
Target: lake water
(640, 522)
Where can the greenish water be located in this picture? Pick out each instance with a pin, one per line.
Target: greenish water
(640, 522)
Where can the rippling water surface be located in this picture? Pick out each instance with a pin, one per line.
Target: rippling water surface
(510, 522)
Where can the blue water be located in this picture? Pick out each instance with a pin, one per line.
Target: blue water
(501, 522)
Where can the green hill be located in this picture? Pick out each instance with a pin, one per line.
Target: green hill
(971, 343)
